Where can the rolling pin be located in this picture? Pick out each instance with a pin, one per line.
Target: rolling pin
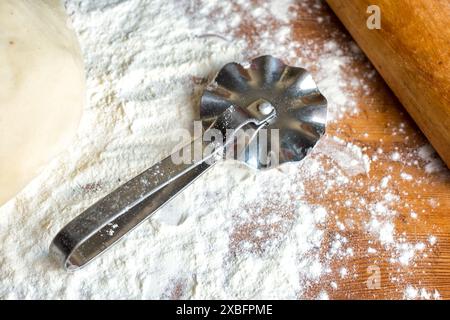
(411, 51)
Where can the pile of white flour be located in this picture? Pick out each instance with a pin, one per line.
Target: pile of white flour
(234, 233)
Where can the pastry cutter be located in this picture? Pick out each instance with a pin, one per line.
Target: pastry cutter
(263, 96)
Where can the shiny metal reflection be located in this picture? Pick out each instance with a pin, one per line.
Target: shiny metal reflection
(301, 108)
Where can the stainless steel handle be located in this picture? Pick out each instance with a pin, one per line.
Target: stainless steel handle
(109, 219)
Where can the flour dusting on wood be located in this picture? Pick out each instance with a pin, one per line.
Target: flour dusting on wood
(235, 233)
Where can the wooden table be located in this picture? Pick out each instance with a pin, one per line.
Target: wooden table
(381, 123)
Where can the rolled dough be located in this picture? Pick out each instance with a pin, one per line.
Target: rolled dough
(42, 89)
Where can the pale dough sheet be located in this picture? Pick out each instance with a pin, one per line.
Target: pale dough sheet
(42, 89)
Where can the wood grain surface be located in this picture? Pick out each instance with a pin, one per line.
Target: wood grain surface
(411, 51)
(377, 126)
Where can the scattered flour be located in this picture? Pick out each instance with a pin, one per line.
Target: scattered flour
(234, 233)
(432, 240)
(433, 162)
(406, 176)
(395, 156)
(413, 293)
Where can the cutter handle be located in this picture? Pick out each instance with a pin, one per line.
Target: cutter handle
(108, 220)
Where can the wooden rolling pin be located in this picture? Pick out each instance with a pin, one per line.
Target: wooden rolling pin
(412, 53)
